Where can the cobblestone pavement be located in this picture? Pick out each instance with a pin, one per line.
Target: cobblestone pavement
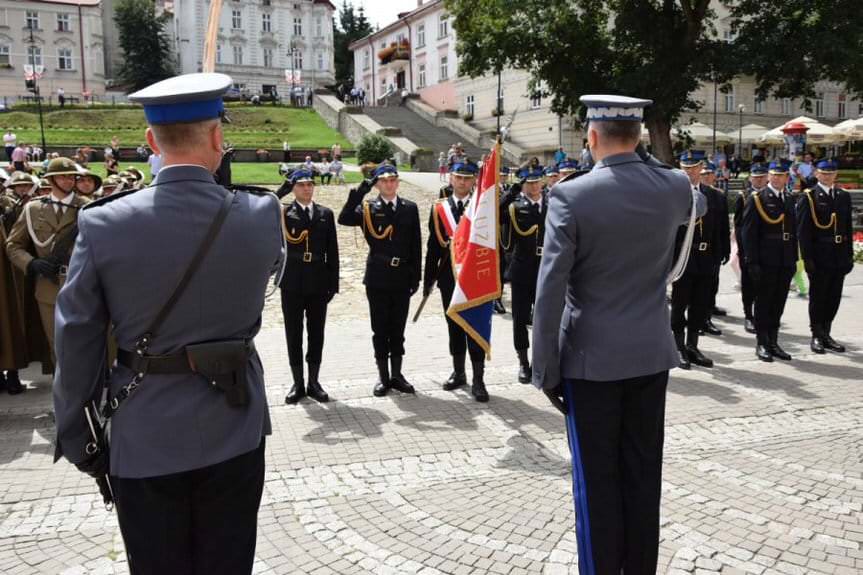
(763, 465)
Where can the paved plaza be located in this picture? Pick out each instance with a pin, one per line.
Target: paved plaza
(763, 462)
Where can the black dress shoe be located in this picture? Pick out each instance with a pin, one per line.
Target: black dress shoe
(297, 392)
(748, 325)
(498, 307)
(695, 356)
(316, 392)
(525, 374)
(683, 360)
(399, 383)
(455, 381)
(763, 353)
(13, 383)
(832, 344)
(778, 352)
(477, 389)
(816, 345)
(711, 329)
(719, 312)
(381, 389)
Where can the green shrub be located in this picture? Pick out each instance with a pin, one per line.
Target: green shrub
(374, 148)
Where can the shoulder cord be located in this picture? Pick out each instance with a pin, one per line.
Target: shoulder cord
(765, 217)
(437, 231)
(832, 223)
(303, 236)
(523, 233)
(387, 233)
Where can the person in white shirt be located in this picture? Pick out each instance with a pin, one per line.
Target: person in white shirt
(10, 141)
(155, 163)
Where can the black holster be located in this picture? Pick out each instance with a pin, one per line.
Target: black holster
(224, 364)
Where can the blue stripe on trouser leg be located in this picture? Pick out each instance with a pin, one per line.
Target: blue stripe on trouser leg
(579, 490)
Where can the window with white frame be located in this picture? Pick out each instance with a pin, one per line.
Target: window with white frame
(298, 26)
(298, 60)
(34, 55)
(841, 108)
(319, 27)
(32, 20)
(759, 105)
(238, 55)
(236, 19)
(421, 35)
(469, 105)
(444, 68)
(819, 106)
(64, 24)
(786, 106)
(266, 22)
(321, 61)
(421, 76)
(730, 100)
(366, 59)
(536, 100)
(4, 55)
(443, 26)
(268, 57)
(64, 59)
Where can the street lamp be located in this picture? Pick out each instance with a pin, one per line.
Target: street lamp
(32, 42)
(740, 109)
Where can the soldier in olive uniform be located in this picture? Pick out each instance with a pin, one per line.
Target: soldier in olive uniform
(88, 184)
(310, 281)
(708, 178)
(769, 233)
(525, 215)
(14, 352)
(757, 182)
(443, 220)
(391, 226)
(824, 229)
(45, 222)
(691, 293)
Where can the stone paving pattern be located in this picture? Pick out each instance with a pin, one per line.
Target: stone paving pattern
(763, 464)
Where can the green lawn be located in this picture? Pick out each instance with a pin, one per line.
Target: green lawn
(250, 127)
(241, 172)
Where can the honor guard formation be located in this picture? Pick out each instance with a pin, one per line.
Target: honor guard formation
(120, 289)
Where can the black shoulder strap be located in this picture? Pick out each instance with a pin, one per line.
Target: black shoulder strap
(144, 342)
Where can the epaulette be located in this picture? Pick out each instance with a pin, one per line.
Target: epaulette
(107, 199)
(257, 190)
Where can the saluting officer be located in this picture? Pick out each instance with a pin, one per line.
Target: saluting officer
(824, 229)
(769, 234)
(708, 178)
(757, 182)
(691, 293)
(443, 220)
(45, 222)
(525, 215)
(187, 439)
(552, 175)
(310, 281)
(391, 226)
(14, 352)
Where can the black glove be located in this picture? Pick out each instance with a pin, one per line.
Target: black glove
(43, 267)
(330, 296)
(555, 396)
(809, 265)
(285, 189)
(414, 289)
(96, 466)
(366, 186)
(515, 189)
(427, 289)
(754, 271)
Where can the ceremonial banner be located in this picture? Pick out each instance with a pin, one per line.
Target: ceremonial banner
(475, 259)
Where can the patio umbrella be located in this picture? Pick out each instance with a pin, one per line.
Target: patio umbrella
(818, 133)
(749, 134)
(702, 134)
(850, 130)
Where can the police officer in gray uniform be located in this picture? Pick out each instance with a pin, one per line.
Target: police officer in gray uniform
(187, 402)
(602, 346)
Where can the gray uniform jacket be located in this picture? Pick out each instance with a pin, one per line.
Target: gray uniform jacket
(129, 255)
(600, 311)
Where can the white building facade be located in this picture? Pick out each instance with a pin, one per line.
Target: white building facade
(264, 45)
(63, 38)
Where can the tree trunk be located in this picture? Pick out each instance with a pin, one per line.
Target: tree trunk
(660, 138)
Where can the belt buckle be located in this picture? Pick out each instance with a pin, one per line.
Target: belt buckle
(307, 257)
(786, 236)
(702, 247)
(539, 251)
(837, 239)
(394, 262)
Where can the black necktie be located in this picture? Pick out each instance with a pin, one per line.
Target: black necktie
(392, 206)
(308, 212)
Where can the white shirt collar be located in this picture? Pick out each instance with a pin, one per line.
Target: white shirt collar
(391, 202)
(777, 193)
(67, 201)
(310, 205)
(827, 190)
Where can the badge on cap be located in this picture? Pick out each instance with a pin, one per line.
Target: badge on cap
(691, 158)
(614, 108)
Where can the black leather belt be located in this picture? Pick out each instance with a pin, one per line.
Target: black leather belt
(830, 239)
(392, 261)
(177, 363)
(306, 257)
(785, 237)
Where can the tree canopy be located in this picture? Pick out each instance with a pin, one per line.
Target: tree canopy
(352, 25)
(145, 43)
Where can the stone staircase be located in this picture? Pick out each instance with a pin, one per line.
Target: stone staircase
(420, 131)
